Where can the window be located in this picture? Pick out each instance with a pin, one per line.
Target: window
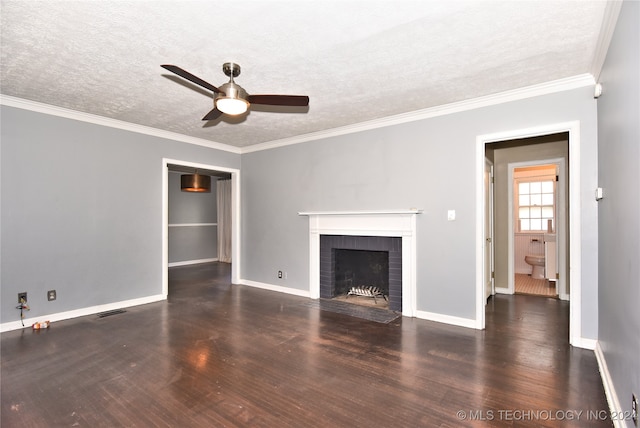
(536, 206)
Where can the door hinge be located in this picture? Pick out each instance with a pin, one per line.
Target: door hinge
(557, 178)
(493, 275)
(557, 276)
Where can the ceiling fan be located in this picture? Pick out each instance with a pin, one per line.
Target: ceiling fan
(231, 98)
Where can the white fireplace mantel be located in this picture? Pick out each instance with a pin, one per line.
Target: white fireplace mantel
(399, 223)
(375, 212)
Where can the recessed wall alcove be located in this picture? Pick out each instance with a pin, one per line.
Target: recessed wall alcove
(389, 223)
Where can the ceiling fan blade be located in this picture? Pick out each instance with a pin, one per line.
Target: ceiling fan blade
(280, 100)
(213, 114)
(185, 74)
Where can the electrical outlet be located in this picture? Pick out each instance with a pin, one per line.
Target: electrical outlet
(51, 295)
(634, 409)
(22, 296)
(279, 274)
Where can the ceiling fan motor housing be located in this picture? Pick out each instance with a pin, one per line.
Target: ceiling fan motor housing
(231, 90)
(232, 99)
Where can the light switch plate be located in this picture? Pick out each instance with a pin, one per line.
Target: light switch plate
(599, 193)
(451, 215)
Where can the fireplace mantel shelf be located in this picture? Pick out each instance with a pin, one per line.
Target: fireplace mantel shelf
(310, 213)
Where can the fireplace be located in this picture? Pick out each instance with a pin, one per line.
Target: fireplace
(360, 268)
(361, 261)
(399, 224)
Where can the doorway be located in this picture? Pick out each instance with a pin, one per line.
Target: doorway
(537, 210)
(235, 214)
(487, 147)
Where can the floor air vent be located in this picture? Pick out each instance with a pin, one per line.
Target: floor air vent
(109, 313)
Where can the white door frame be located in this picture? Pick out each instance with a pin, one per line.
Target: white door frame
(561, 224)
(575, 237)
(235, 218)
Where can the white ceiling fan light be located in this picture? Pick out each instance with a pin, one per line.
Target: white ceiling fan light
(232, 106)
(232, 98)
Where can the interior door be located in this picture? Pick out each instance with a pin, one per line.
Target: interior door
(488, 230)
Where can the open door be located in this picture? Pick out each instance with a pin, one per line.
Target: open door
(488, 230)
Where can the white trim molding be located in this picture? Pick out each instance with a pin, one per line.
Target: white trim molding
(375, 212)
(503, 290)
(609, 388)
(609, 21)
(446, 319)
(191, 262)
(396, 223)
(111, 123)
(191, 224)
(277, 288)
(585, 343)
(554, 86)
(91, 310)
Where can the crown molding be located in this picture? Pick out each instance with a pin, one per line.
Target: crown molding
(111, 123)
(554, 86)
(609, 21)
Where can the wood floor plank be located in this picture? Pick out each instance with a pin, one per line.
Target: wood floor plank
(222, 355)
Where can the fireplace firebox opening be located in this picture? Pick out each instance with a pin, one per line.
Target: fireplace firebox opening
(364, 270)
(362, 273)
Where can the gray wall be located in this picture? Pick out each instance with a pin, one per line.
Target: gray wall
(82, 211)
(619, 221)
(502, 157)
(428, 164)
(99, 241)
(188, 243)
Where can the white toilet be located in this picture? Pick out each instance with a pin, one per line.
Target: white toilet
(537, 261)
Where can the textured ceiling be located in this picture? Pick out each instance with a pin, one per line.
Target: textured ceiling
(356, 60)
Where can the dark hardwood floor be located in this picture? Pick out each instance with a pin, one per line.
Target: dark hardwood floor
(222, 355)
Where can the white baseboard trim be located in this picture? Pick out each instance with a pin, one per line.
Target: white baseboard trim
(191, 262)
(278, 288)
(583, 343)
(60, 316)
(609, 389)
(502, 290)
(447, 319)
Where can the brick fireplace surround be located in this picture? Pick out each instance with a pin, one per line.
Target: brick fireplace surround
(396, 223)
